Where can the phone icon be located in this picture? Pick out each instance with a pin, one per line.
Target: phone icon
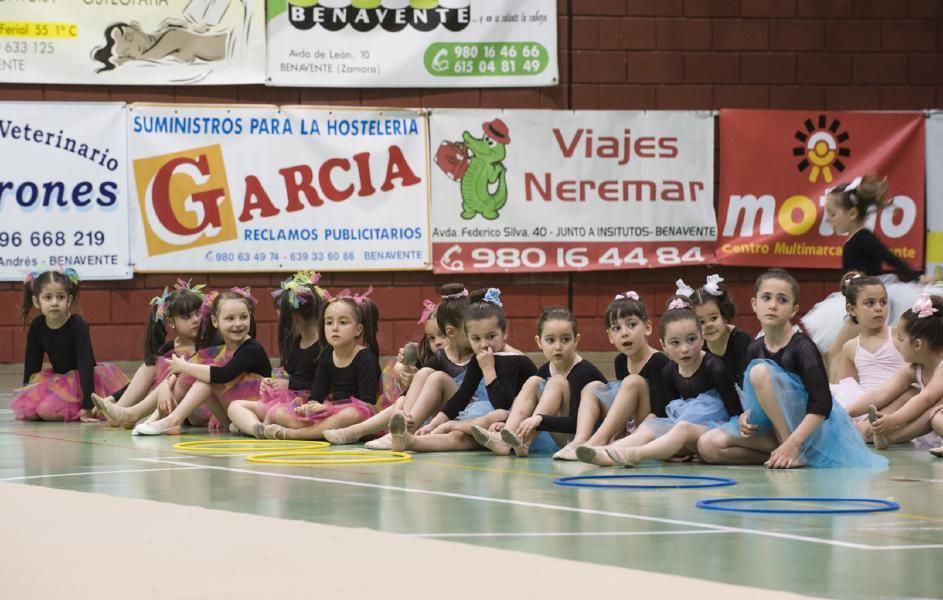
(447, 262)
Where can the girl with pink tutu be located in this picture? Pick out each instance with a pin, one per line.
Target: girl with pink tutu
(182, 311)
(64, 392)
(300, 302)
(439, 378)
(237, 376)
(345, 385)
(919, 338)
(628, 399)
(698, 394)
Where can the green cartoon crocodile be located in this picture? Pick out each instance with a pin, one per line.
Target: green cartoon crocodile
(484, 170)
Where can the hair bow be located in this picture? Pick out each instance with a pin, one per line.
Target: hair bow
(185, 285)
(493, 295)
(72, 274)
(428, 307)
(207, 305)
(683, 289)
(346, 293)
(712, 285)
(630, 295)
(245, 293)
(300, 287)
(923, 307)
(678, 303)
(68, 272)
(160, 313)
(456, 295)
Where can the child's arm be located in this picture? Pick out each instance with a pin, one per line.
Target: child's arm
(846, 360)
(464, 395)
(178, 364)
(724, 384)
(887, 393)
(913, 408)
(368, 376)
(33, 361)
(321, 384)
(515, 371)
(85, 360)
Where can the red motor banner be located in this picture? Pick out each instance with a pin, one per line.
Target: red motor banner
(775, 169)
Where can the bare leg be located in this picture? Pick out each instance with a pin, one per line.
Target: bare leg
(766, 395)
(680, 437)
(244, 414)
(434, 442)
(141, 384)
(586, 417)
(197, 395)
(598, 456)
(858, 408)
(718, 448)
(631, 402)
(126, 417)
(289, 426)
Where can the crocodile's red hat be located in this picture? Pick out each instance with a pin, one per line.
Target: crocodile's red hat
(497, 131)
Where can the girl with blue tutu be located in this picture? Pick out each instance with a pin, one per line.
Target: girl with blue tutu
(437, 381)
(628, 399)
(920, 341)
(549, 401)
(716, 311)
(702, 391)
(870, 360)
(493, 378)
(64, 392)
(789, 419)
(848, 206)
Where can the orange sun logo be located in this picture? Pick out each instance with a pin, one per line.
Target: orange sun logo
(821, 148)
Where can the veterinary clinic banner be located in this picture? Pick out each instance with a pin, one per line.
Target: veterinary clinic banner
(527, 190)
(775, 169)
(154, 42)
(935, 196)
(412, 43)
(63, 189)
(265, 188)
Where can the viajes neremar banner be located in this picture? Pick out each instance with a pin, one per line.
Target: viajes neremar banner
(935, 196)
(125, 42)
(412, 43)
(266, 188)
(529, 190)
(63, 189)
(775, 169)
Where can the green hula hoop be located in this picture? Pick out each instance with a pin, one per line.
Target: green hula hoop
(316, 458)
(240, 446)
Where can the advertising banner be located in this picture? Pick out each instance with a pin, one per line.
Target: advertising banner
(265, 188)
(935, 196)
(412, 43)
(526, 190)
(63, 189)
(107, 42)
(775, 169)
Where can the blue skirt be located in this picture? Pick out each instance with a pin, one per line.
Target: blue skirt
(607, 393)
(705, 409)
(479, 406)
(836, 442)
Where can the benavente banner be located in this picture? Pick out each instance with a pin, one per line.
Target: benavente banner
(935, 196)
(153, 42)
(63, 189)
(267, 188)
(412, 43)
(530, 190)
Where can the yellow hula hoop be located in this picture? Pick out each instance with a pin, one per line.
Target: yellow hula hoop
(317, 458)
(239, 446)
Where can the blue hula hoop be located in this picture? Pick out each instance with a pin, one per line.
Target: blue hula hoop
(706, 482)
(878, 505)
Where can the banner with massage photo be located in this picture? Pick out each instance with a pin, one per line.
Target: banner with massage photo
(63, 189)
(96, 42)
(531, 190)
(267, 188)
(935, 196)
(775, 169)
(412, 43)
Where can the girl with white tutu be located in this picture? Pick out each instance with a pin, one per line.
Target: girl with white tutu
(549, 401)
(300, 302)
(493, 378)
(431, 386)
(627, 399)
(702, 392)
(847, 209)
(920, 341)
(64, 392)
(789, 419)
(716, 311)
(184, 311)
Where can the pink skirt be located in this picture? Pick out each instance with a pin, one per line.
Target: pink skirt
(332, 408)
(54, 397)
(244, 387)
(213, 356)
(847, 391)
(162, 366)
(272, 397)
(391, 390)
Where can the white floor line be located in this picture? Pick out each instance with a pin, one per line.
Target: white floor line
(505, 534)
(540, 505)
(50, 476)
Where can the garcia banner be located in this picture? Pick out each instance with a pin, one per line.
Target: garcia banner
(935, 196)
(412, 43)
(63, 189)
(776, 167)
(165, 42)
(528, 190)
(272, 189)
